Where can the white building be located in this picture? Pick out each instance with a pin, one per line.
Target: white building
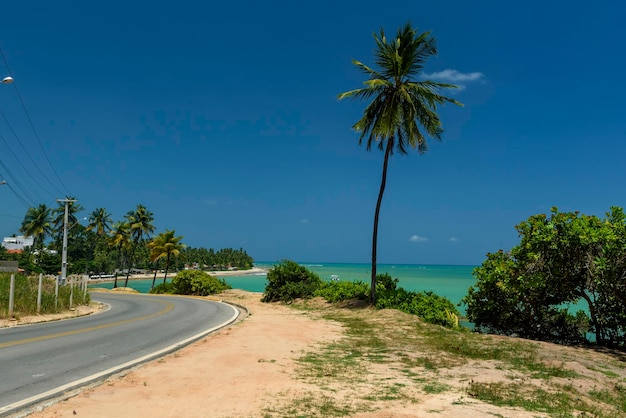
(18, 243)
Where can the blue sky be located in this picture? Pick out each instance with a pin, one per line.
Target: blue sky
(223, 120)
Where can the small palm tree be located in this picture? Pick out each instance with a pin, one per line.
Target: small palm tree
(36, 224)
(165, 245)
(120, 240)
(399, 104)
(141, 225)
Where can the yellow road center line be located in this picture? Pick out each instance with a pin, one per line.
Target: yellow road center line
(168, 307)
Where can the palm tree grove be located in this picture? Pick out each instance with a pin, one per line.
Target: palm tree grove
(99, 245)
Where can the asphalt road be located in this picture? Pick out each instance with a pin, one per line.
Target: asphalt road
(42, 361)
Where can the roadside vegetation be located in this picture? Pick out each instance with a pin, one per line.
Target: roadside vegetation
(192, 282)
(25, 299)
(99, 245)
(288, 281)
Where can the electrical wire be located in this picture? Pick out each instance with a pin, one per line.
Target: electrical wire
(16, 181)
(25, 170)
(30, 121)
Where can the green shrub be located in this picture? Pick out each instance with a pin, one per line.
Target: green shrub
(428, 306)
(198, 283)
(343, 290)
(384, 282)
(288, 281)
(192, 282)
(163, 288)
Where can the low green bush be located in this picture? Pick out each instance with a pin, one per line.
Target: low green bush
(429, 306)
(288, 280)
(192, 282)
(163, 288)
(343, 290)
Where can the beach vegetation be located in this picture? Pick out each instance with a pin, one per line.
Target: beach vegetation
(564, 281)
(288, 280)
(223, 259)
(428, 306)
(339, 291)
(402, 112)
(121, 241)
(104, 246)
(140, 225)
(192, 282)
(165, 245)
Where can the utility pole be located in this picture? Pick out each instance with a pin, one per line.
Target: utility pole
(65, 229)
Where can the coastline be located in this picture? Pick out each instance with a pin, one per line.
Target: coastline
(220, 273)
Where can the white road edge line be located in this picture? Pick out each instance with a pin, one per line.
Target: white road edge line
(80, 382)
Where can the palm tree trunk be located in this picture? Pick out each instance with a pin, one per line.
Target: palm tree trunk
(383, 183)
(130, 263)
(167, 264)
(156, 269)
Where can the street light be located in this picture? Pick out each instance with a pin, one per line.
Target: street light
(7, 80)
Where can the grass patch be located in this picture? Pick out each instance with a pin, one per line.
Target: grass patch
(435, 387)
(354, 370)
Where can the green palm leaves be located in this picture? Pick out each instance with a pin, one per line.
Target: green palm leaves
(400, 105)
(99, 221)
(165, 245)
(37, 224)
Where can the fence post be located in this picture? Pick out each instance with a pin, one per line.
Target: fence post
(71, 290)
(11, 294)
(39, 292)
(56, 292)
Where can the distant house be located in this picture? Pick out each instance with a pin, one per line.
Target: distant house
(17, 244)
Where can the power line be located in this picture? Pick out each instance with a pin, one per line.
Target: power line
(30, 121)
(17, 195)
(26, 171)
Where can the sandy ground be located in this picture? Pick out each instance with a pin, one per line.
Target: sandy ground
(250, 368)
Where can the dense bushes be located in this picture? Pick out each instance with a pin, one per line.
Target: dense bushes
(564, 261)
(430, 307)
(342, 290)
(288, 281)
(192, 282)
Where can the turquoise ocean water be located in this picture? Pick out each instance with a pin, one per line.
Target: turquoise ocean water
(449, 281)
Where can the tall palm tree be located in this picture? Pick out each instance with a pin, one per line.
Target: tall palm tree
(141, 226)
(99, 226)
(399, 105)
(120, 240)
(36, 224)
(100, 221)
(165, 245)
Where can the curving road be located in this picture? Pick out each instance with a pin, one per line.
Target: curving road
(41, 361)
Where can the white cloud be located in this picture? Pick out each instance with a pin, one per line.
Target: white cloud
(417, 238)
(454, 76)
(454, 239)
